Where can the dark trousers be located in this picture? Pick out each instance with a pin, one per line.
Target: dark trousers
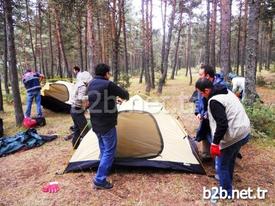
(80, 123)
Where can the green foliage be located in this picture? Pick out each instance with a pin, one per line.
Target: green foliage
(8, 98)
(124, 81)
(262, 119)
(260, 81)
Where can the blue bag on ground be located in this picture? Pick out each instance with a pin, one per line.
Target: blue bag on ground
(23, 140)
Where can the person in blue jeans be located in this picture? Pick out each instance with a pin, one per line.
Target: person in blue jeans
(31, 82)
(230, 128)
(102, 95)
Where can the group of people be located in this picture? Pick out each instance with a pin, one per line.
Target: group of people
(99, 94)
(224, 125)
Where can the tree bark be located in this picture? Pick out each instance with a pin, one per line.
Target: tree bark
(60, 42)
(164, 34)
(189, 48)
(40, 40)
(251, 51)
(126, 61)
(270, 44)
(151, 47)
(79, 29)
(213, 35)
(177, 47)
(1, 97)
(167, 48)
(225, 36)
(239, 38)
(30, 33)
(12, 63)
(50, 43)
(90, 37)
(244, 35)
(6, 75)
(207, 49)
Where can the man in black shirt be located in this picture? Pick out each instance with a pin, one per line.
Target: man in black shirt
(102, 95)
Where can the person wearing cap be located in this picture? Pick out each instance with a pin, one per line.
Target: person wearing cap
(77, 108)
(31, 81)
(102, 94)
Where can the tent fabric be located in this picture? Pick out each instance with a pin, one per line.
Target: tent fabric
(148, 136)
(57, 96)
(23, 140)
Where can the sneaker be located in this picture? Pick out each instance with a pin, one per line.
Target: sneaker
(106, 186)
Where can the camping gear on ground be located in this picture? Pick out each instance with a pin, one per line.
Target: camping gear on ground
(34, 122)
(40, 121)
(23, 140)
(29, 122)
(1, 127)
(51, 187)
(148, 136)
(57, 96)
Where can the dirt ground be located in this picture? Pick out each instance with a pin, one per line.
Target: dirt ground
(23, 174)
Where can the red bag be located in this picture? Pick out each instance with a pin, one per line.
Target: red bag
(29, 123)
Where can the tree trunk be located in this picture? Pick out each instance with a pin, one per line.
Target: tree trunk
(50, 43)
(260, 47)
(225, 36)
(30, 33)
(6, 75)
(60, 42)
(164, 34)
(79, 29)
(189, 48)
(151, 47)
(251, 52)
(116, 22)
(86, 42)
(100, 36)
(40, 40)
(1, 96)
(167, 48)
(12, 63)
(270, 43)
(126, 61)
(207, 49)
(244, 35)
(146, 45)
(177, 47)
(213, 34)
(90, 37)
(239, 38)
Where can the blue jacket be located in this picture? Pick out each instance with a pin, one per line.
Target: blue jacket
(201, 102)
(31, 81)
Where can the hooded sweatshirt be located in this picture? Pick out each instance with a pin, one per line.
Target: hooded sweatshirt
(228, 120)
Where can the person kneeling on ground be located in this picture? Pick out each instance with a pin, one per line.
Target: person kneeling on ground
(77, 109)
(102, 95)
(230, 127)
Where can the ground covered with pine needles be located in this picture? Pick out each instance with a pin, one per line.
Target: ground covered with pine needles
(23, 174)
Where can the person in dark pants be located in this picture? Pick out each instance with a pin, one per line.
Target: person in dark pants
(230, 128)
(102, 95)
(77, 109)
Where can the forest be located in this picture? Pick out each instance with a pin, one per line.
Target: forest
(155, 50)
(52, 36)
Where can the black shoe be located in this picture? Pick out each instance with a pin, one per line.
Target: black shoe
(106, 186)
(67, 138)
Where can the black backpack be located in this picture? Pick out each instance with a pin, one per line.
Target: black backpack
(40, 121)
(1, 128)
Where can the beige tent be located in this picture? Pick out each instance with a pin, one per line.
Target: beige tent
(148, 136)
(56, 96)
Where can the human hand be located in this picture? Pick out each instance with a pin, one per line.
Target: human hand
(199, 117)
(119, 100)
